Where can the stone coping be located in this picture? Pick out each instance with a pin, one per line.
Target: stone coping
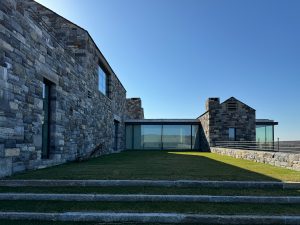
(109, 217)
(150, 198)
(152, 183)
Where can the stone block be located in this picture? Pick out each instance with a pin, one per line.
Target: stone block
(5, 167)
(37, 140)
(6, 133)
(13, 106)
(2, 152)
(18, 167)
(5, 45)
(10, 152)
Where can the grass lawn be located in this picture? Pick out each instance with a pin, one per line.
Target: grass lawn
(26, 222)
(152, 190)
(164, 165)
(182, 207)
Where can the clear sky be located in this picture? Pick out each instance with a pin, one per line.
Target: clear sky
(174, 54)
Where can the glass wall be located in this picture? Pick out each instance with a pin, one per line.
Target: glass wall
(151, 136)
(176, 137)
(162, 137)
(195, 137)
(264, 133)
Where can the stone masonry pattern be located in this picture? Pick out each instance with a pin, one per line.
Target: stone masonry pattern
(218, 119)
(281, 159)
(134, 108)
(37, 44)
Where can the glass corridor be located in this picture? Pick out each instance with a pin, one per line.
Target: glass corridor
(264, 133)
(162, 137)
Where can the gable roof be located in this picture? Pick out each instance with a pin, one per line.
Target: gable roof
(229, 99)
(235, 99)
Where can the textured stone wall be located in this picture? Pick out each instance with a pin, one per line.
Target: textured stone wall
(218, 119)
(35, 44)
(205, 132)
(286, 160)
(134, 108)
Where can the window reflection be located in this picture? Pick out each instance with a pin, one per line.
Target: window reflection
(176, 137)
(264, 133)
(167, 137)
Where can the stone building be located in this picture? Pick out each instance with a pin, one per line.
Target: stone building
(231, 120)
(59, 99)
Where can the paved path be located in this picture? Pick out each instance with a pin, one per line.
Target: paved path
(109, 217)
(150, 198)
(152, 183)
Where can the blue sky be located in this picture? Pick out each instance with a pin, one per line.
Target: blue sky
(174, 54)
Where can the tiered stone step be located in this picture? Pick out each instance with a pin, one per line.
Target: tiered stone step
(150, 217)
(109, 217)
(151, 183)
(150, 198)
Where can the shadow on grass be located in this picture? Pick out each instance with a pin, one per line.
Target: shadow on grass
(160, 165)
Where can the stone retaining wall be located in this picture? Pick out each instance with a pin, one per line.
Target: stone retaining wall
(286, 160)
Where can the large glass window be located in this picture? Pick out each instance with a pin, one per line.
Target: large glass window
(264, 133)
(102, 81)
(151, 135)
(176, 137)
(260, 133)
(195, 137)
(129, 136)
(168, 137)
(137, 137)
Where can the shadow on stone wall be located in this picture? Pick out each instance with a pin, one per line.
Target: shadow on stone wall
(204, 145)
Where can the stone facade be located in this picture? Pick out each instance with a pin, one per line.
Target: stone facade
(232, 113)
(281, 159)
(134, 108)
(36, 45)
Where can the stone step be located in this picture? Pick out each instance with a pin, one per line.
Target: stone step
(153, 183)
(150, 198)
(110, 217)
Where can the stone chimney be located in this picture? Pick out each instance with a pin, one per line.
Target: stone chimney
(134, 108)
(212, 103)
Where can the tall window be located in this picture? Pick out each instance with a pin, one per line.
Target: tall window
(102, 81)
(231, 134)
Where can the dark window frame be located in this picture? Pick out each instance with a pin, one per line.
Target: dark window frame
(107, 80)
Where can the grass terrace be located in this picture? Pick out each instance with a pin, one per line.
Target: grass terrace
(159, 165)
(156, 165)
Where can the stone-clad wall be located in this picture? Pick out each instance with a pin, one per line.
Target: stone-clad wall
(205, 132)
(82, 118)
(134, 108)
(286, 160)
(218, 119)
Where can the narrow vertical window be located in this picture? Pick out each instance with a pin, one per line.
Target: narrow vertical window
(231, 134)
(46, 122)
(102, 81)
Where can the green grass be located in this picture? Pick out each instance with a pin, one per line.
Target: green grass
(182, 207)
(26, 222)
(165, 165)
(153, 190)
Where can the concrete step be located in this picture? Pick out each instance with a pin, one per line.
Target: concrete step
(109, 217)
(153, 183)
(150, 198)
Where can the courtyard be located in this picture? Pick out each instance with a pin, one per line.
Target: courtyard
(164, 165)
(154, 165)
